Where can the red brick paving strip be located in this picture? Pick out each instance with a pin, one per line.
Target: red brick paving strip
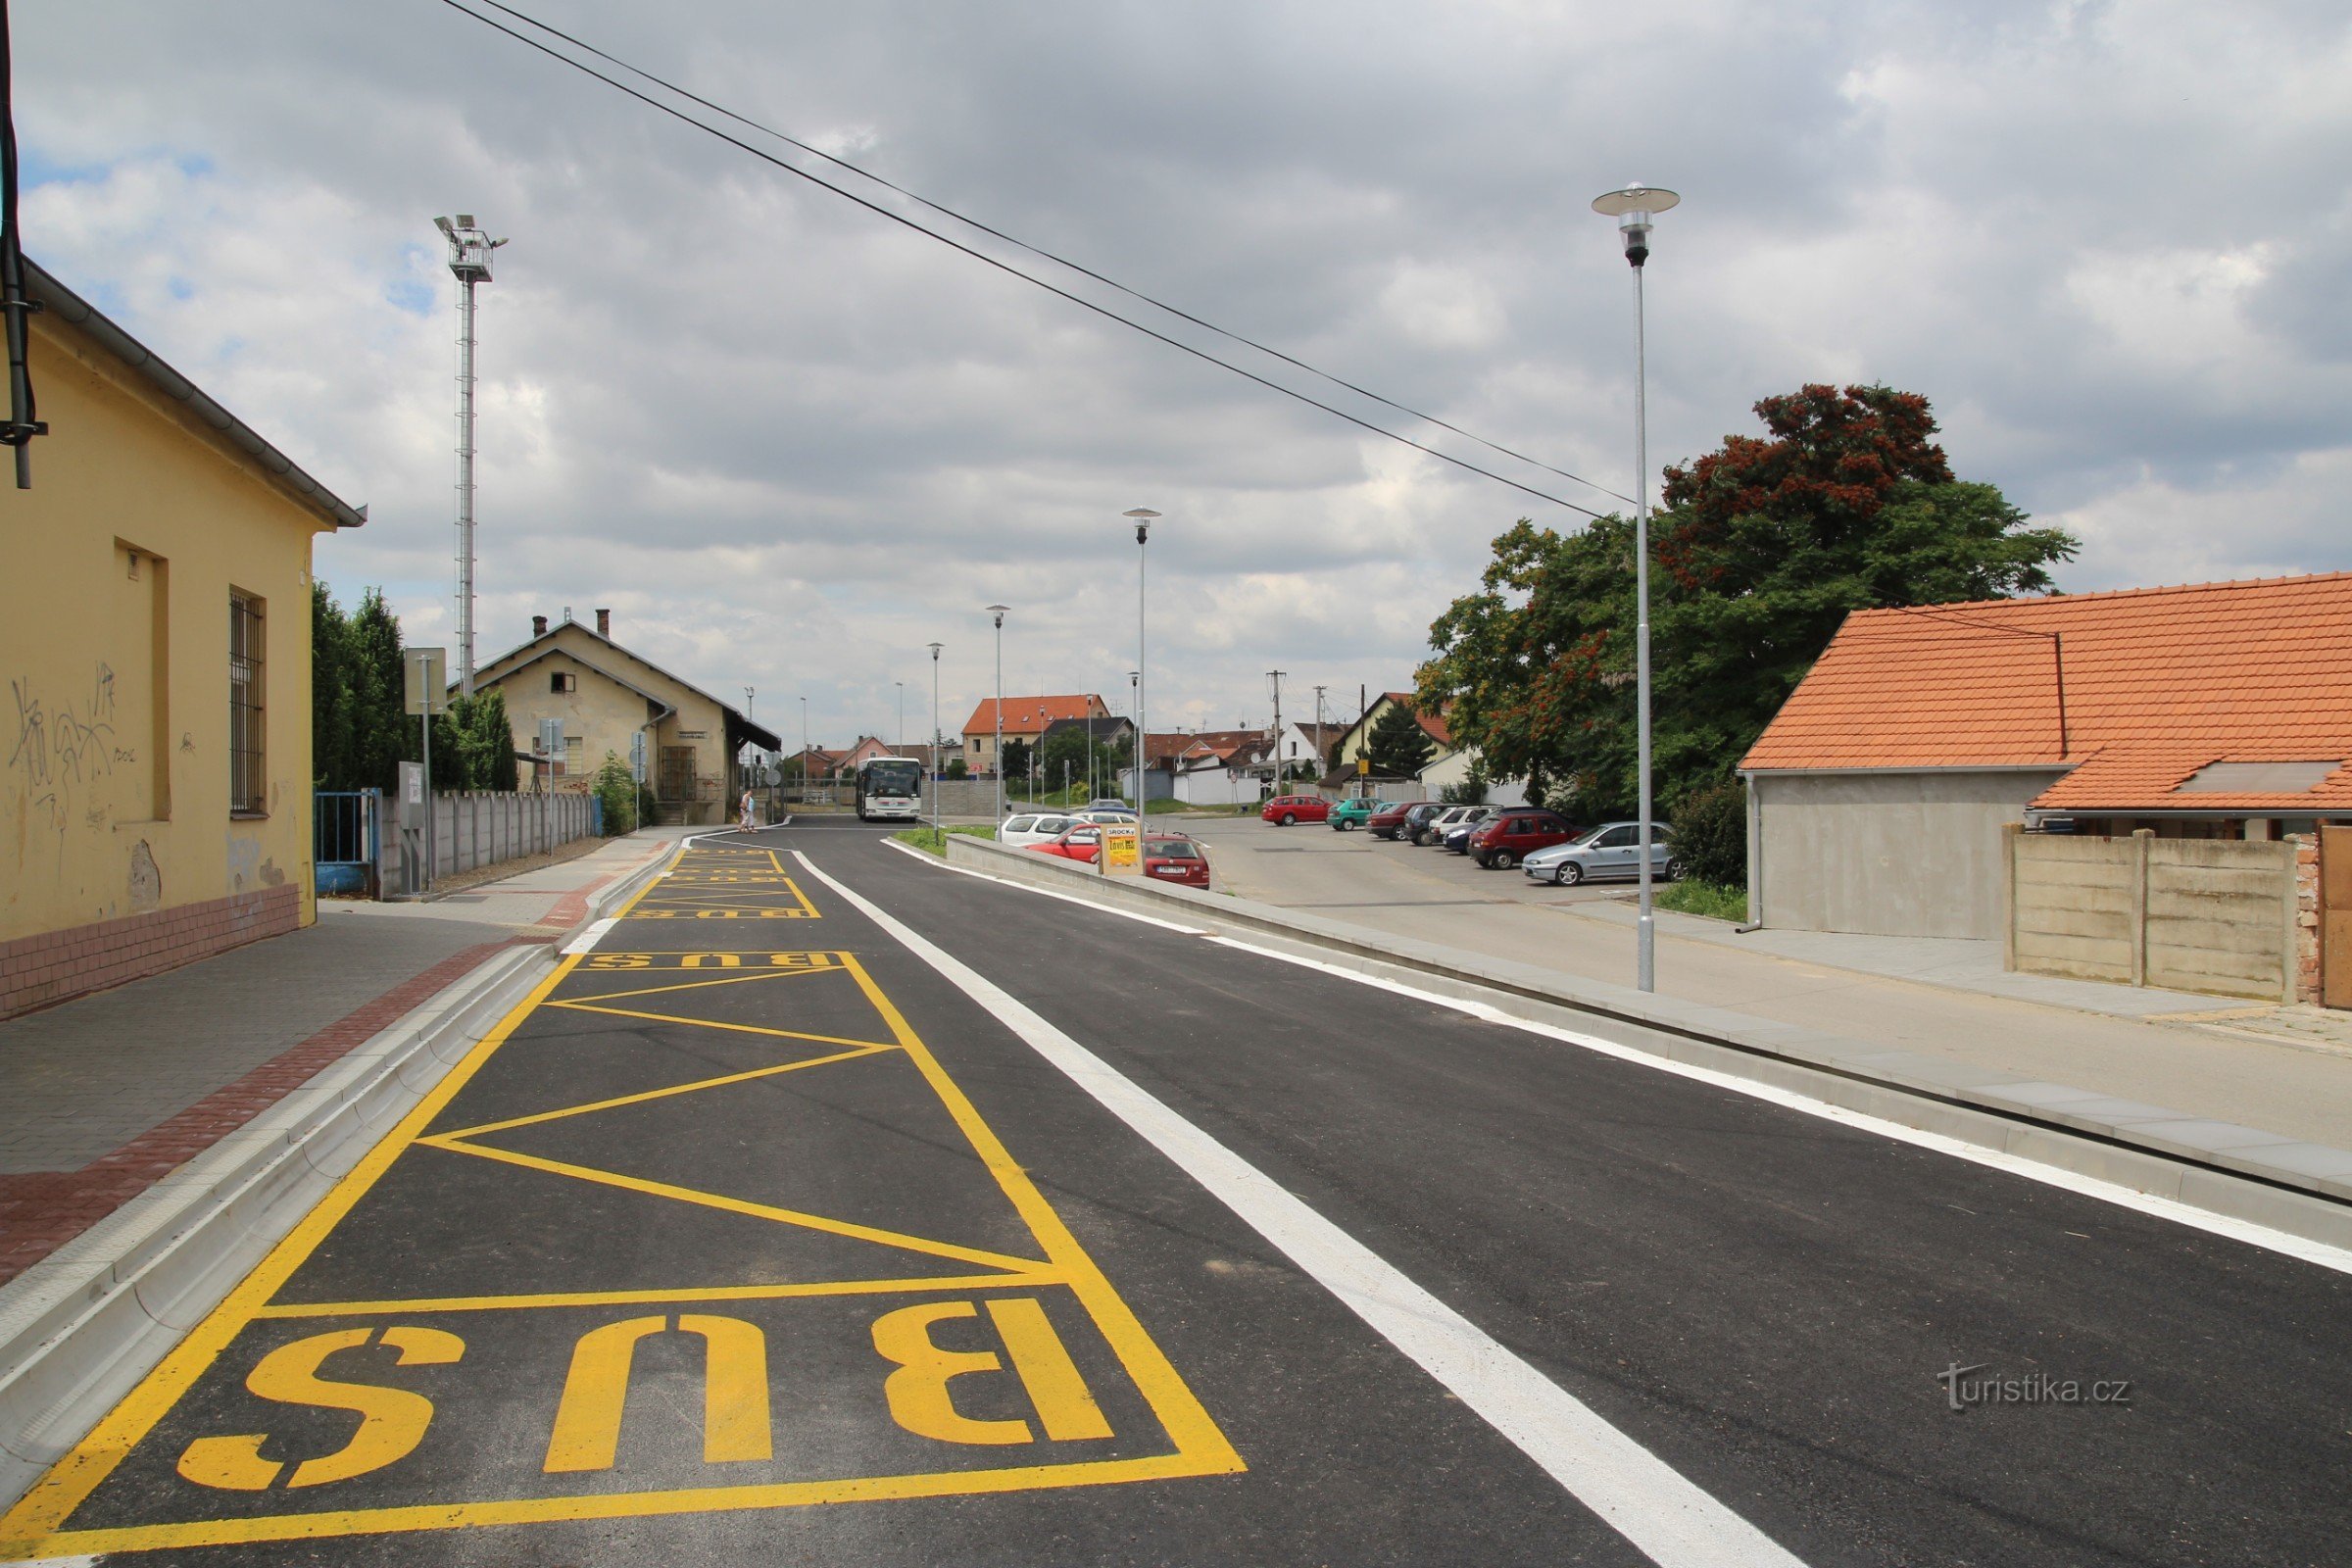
(42, 1210)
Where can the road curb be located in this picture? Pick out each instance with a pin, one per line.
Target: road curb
(79, 1329)
(2245, 1173)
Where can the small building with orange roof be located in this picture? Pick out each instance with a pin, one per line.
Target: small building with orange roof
(1878, 794)
(1026, 719)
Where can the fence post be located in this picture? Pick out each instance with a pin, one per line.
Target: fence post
(2012, 833)
(2142, 840)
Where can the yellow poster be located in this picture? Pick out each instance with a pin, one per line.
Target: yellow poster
(1121, 850)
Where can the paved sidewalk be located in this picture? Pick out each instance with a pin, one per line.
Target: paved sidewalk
(2277, 1069)
(107, 1093)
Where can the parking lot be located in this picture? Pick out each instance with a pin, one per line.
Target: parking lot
(1309, 867)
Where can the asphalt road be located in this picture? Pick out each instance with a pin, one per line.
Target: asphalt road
(762, 1239)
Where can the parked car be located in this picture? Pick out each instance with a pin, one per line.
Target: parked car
(1434, 830)
(1031, 828)
(1455, 834)
(1353, 814)
(1390, 819)
(1509, 837)
(1109, 804)
(1612, 850)
(1175, 859)
(1285, 809)
(1103, 814)
(1080, 841)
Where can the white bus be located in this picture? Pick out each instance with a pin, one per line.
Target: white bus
(890, 789)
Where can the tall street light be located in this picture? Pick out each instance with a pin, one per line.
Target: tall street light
(935, 647)
(803, 767)
(900, 741)
(1633, 207)
(1141, 518)
(997, 761)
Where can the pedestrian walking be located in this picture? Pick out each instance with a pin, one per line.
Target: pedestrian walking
(743, 812)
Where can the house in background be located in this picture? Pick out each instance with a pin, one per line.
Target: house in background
(1221, 767)
(607, 697)
(1880, 794)
(155, 618)
(1026, 719)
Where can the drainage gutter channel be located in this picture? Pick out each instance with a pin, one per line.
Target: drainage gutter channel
(2267, 1178)
(80, 1329)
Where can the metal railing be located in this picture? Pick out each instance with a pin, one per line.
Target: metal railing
(347, 830)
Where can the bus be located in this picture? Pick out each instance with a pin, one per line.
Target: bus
(890, 789)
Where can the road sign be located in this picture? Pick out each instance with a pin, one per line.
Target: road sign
(1364, 767)
(427, 678)
(1121, 849)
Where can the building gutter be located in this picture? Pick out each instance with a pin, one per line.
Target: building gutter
(53, 296)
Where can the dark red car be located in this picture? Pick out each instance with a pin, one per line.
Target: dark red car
(1283, 810)
(1389, 820)
(1506, 839)
(1175, 859)
(1080, 843)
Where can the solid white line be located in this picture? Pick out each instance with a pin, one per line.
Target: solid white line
(937, 861)
(589, 938)
(1638, 1495)
(2236, 1230)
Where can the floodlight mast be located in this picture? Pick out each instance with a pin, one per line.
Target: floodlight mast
(470, 261)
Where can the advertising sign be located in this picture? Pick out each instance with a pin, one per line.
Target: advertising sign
(1121, 849)
(427, 684)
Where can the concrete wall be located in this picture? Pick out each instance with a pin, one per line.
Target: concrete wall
(114, 668)
(1893, 854)
(482, 827)
(2184, 914)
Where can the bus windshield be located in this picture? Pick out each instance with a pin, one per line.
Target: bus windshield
(893, 775)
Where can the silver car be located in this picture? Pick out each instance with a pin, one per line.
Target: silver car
(1612, 850)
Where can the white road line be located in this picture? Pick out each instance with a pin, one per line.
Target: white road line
(1637, 1494)
(2236, 1230)
(587, 939)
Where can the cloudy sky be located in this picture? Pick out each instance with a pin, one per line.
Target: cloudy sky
(790, 443)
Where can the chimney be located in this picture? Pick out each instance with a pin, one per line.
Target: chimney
(538, 626)
(604, 623)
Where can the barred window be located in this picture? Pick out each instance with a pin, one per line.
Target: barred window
(248, 776)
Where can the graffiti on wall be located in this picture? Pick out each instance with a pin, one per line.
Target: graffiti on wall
(58, 752)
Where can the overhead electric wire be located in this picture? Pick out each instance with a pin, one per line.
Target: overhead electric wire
(1005, 267)
(1039, 251)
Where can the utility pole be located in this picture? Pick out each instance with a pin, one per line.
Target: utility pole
(1141, 518)
(1321, 761)
(1275, 675)
(997, 760)
(900, 741)
(935, 647)
(469, 259)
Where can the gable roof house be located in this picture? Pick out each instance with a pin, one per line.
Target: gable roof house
(605, 698)
(1025, 720)
(1879, 793)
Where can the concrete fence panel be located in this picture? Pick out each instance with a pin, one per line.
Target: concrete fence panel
(2212, 915)
(477, 828)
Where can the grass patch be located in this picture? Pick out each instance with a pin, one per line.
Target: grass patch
(1181, 808)
(933, 840)
(1712, 900)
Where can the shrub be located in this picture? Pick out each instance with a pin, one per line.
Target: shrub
(1710, 835)
(618, 792)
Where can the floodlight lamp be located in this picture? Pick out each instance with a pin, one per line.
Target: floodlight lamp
(444, 226)
(464, 220)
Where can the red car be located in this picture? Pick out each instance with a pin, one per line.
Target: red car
(1505, 841)
(1385, 822)
(1176, 860)
(1082, 842)
(1283, 810)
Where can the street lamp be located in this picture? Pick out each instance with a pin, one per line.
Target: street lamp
(997, 758)
(1135, 747)
(803, 767)
(1632, 207)
(902, 737)
(1141, 518)
(935, 739)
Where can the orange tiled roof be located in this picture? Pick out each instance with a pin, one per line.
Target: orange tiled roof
(2157, 683)
(1029, 716)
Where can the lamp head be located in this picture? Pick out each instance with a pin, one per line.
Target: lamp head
(998, 610)
(1633, 207)
(1141, 518)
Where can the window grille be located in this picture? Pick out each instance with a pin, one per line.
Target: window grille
(248, 774)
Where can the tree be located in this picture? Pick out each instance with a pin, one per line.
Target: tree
(1761, 549)
(617, 789)
(1014, 764)
(958, 768)
(1399, 745)
(384, 732)
(334, 726)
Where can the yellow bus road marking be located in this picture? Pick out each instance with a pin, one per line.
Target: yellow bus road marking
(738, 1205)
(920, 1284)
(659, 1093)
(1100, 1403)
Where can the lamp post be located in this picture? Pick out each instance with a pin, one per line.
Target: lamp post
(1633, 207)
(1135, 749)
(470, 250)
(997, 758)
(901, 736)
(935, 736)
(803, 767)
(1141, 518)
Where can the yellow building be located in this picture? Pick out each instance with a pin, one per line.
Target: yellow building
(606, 696)
(155, 638)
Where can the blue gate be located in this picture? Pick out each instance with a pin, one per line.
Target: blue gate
(346, 835)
